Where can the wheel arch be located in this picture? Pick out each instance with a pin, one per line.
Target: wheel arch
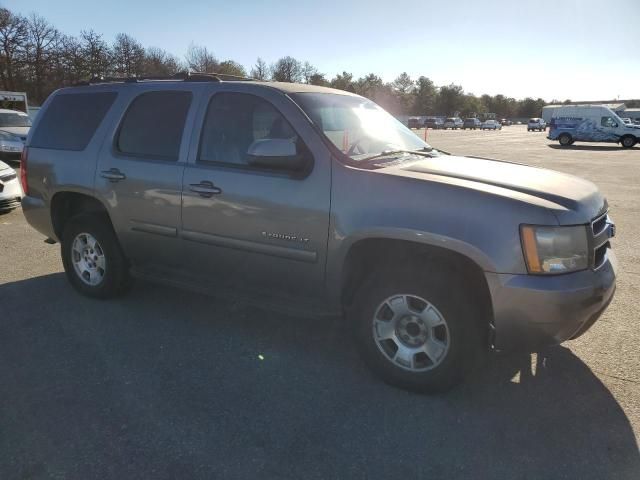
(67, 204)
(387, 252)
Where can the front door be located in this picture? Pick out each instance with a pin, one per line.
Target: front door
(139, 175)
(610, 129)
(255, 229)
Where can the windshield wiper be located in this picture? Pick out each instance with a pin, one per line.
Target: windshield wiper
(423, 152)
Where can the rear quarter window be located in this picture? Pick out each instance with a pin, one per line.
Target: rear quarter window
(70, 120)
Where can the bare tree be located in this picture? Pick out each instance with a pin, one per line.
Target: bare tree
(128, 56)
(260, 71)
(40, 53)
(229, 67)
(96, 54)
(13, 36)
(287, 69)
(160, 63)
(308, 71)
(200, 59)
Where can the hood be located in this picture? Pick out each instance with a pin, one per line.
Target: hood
(571, 199)
(4, 166)
(19, 131)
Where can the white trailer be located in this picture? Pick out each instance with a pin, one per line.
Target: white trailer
(14, 101)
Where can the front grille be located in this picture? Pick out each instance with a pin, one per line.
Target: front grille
(602, 230)
(9, 203)
(11, 156)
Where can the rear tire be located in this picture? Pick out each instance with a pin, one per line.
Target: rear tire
(565, 139)
(447, 325)
(93, 259)
(628, 141)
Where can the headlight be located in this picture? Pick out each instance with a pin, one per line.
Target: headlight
(552, 250)
(10, 137)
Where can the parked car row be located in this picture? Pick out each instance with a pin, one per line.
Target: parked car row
(455, 123)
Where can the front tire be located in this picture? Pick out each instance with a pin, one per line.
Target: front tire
(565, 139)
(418, 331)
(628, 141)
(93, 259)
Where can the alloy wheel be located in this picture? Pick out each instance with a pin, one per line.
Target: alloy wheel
(411, 333)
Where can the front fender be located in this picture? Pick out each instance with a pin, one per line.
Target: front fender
(341, 246)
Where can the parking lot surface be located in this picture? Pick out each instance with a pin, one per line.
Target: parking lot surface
(171, 384)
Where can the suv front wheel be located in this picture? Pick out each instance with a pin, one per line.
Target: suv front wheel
(417, 331)
(92, 257)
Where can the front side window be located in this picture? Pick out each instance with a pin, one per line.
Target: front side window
(153, 125)
(608, 122)
(234, 121)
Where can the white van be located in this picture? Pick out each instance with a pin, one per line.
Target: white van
(591, 123)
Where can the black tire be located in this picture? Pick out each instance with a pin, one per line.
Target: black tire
(446, 291)
(528, 129)
(565, 139)
(628, 141)
(116, 279)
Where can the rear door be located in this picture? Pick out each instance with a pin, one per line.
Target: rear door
(139, 172)
(254, 229)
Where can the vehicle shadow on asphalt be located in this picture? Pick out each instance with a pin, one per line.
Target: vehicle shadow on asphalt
(602, 148)
(190, 386)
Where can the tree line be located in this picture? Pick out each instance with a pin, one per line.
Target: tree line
(37, 58)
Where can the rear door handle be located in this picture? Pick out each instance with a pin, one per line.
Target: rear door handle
(205, 189)
(113, 175)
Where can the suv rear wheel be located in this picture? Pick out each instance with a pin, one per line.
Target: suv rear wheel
(92, 257)
(419, 332)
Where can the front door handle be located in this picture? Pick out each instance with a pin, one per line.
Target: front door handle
(205, 189)
(113, 175)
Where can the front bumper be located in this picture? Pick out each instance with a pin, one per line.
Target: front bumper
(10, 194)
(532, 311)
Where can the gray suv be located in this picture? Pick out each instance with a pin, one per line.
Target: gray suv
(316, 201)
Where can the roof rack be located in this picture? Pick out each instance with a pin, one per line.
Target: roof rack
(180, 76)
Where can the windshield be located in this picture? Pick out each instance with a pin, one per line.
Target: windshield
(357, 126)
(14, 120)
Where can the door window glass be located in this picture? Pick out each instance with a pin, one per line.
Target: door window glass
(608, 122)
(233, 122)
(153, 125)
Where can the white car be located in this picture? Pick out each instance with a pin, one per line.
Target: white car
(10, 190)
(14, 127)
(536, 124)
(491, 125)
(453, 123)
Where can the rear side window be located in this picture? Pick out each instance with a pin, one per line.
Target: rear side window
(70, 120)
(153, 125)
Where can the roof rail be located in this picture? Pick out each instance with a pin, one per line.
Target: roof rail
(180, 76)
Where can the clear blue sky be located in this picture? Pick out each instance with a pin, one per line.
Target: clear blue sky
(583, 50)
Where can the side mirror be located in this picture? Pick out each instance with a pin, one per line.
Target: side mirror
(276, 154)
